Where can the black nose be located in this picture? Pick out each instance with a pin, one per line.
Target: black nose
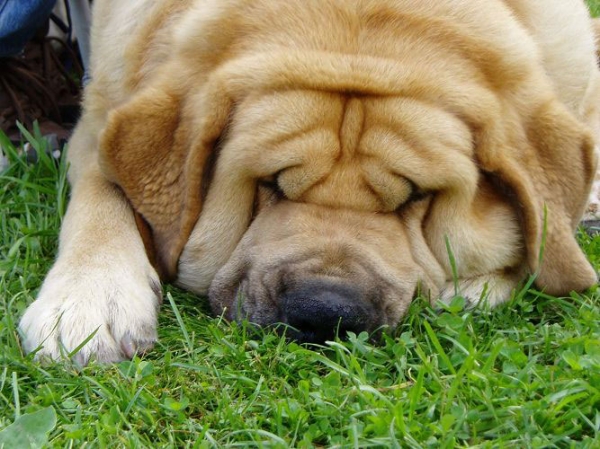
(316, 310)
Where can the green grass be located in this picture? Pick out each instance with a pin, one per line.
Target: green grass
(594, 6)
(525, 375)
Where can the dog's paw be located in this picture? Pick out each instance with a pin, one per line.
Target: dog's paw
(102, 312)
(488, 290)
(592, 212)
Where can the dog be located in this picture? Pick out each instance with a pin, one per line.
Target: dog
(320, 163)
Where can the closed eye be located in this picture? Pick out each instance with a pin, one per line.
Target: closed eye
(272, 186)
(416, 195)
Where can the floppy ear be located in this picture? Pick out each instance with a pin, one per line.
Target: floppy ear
(155, 147)
(549, 167)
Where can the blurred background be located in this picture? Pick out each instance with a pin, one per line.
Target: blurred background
(44, 48)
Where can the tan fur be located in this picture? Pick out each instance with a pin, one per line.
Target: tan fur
(352, 108)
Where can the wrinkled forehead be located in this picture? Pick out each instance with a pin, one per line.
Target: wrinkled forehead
(350, 150)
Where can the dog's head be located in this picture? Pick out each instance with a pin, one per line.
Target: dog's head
(323, 190)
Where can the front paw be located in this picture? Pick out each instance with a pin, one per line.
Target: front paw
(489, 290)
(592, 212)
(105, 313)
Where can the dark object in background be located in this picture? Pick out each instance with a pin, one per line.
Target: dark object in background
(19, 23)
(591, 227)
(43, 80)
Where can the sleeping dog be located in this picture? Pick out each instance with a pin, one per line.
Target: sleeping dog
(318, 162)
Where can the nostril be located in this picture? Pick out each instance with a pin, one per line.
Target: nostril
(317, 310)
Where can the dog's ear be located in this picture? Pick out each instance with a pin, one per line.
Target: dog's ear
(549, 168)
(155, 147)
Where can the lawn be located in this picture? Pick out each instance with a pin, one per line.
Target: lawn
(525, 375)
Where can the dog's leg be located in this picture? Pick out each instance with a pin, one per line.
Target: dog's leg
(102, 286)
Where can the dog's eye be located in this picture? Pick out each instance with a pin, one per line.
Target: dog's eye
(268, 193)
(271, 185)
(415, 196)
(416, 193)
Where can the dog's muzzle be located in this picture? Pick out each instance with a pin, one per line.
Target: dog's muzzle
(317, 310)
